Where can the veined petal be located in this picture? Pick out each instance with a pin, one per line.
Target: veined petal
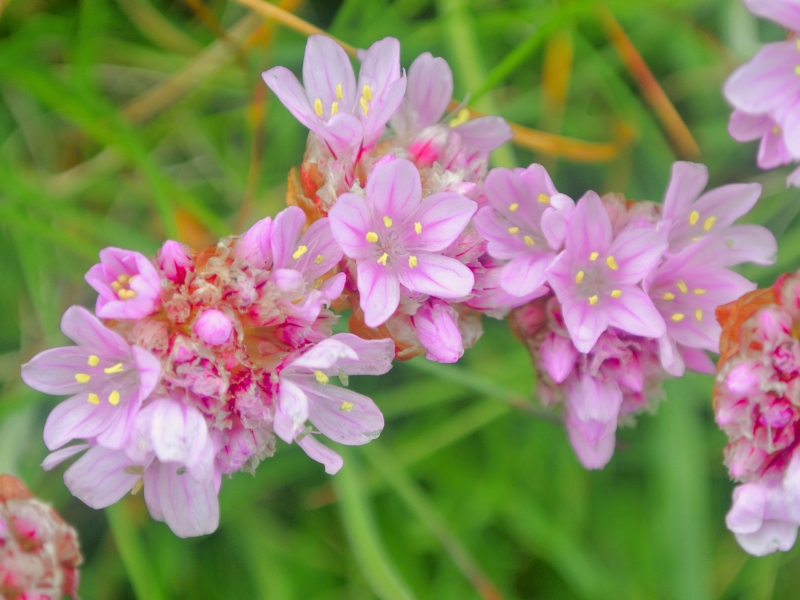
(120, 422)
(374, 357)
(502, 245)
(437, 329)
(379, 288)
(785, 13)
(729, 202)
(524, 274)
(322, 251)
(351, 220)
(292, 411)
(343, 133)
(54, 459)
(190, 507)
(438, 276)
(556, 218)
(381, 110)
(750, 243)
(686, 184)
(592, 413)
(53, 371)
(291, 94)
(178, 432)
(288, 226)
(442, 218)
(485, 133)
(590, 228)
(767, 81)
(86, 330)
(100, 478)
(584, 322)
(322, 454)
(430, 88)
(380, 66)
(636, 250)
(149, 369)
(634, 312)
(325, 67)
(394, 190)
(76, 419)
(342, 415)
(323, 356)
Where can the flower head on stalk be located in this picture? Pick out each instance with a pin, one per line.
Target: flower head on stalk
(107, 378)
(596, 278)
(350, 117)
(396, 238)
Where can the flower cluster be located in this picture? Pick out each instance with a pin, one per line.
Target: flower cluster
(39, 555)
(200, 360)
(634, 289)
(765, 91)
(756, 399)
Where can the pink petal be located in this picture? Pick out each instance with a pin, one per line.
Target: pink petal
(86, 330)
(380, 66)
(379, 288)
(556, 218)
(485, 133)
(634, 312)
(325, 66)
(772, 151)
(750, 243)
(321, 453)
(584, 323)
(767, 81)
(394, 190)
(54, 459)
(437, 329)
(322, 254)
(351, 220)
(53, 371)
(292, 411)
(502, 245)
(592, 413)
(590, 228)
(785, 13)
(744, 127)
(323, 356)
(381, 110)
(698, 361)
(99, 477)
(149, 369)
(178, 432)
(291, 94)
(430, 88)
(119, 426)
(190, 507)
(686, 184)
(442, 216)
(437, 275)
(343, 132)
(342, 415)
(289, 281)
(637, 250)
(374, 356)
(729, 202)
(558, 356)
(286, 232)
(255, 245)
(671, 357)
(773, 536)
(522, 275)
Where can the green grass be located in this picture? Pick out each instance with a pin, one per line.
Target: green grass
(123, 122)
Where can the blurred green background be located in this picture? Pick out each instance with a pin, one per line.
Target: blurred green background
(123, 122)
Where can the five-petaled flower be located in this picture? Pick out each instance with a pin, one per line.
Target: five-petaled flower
(396, 238)
(127, 284)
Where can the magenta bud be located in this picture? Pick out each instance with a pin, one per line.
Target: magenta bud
(255, 245)
(213, 327)
(174, 261)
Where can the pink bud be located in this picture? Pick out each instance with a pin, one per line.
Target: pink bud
(213, 327)
(255, 244)
(174, 261)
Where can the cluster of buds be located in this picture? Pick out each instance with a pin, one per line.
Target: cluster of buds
(765, 91)
(39, 555)
(757, 404)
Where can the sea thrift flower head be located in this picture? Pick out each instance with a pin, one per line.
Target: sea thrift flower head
(213, 326)
(596, 278)
(308, 394)
(127, 285)
(396, 238)
(693, 215)
(174, 261)
(39, 554)
(348, 116)
(524, 223)
(107, 377)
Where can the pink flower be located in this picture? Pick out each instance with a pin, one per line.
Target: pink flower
(347, 116)
(488, 295)
(213, 327)
(772, 151)
(761, 518)
(174, 261)
(127, 283)
(592, 411)
(596, 277)
(107, 378)
(397, 238)
(255, 245)
(307, 394)
(525, 223)
(693, 215)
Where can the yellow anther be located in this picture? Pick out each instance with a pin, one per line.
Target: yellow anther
(116, 286)
(346, 406)
(334, 108)
(709, 223)
(699, 291)
(797, 43)
(126, 294)
(698, 314)
(543, 198)
(528, 240)
(699, 237)
(776, 130)
(137, 487)
(367, 93)
(93, 360)
(579, 276)
(513, 207)
(418, 227)
(382, 259)
(117, 368)
(513, 230)
(612, 263)
(372, 237)
(593, 300)
(681, 285)
(387, 221)
(364, 106)
(93, 399)
(616, 293)
(677, 317)
(318, 107)
(797, 70)
(339, 94)
(593, 256)
(694, 217)
(321, 377)
(124, 279)
(461, 118)
(319, 259)
(669, 296)
(412, 261)
(299, 252)
(82, 377)
(113, 398)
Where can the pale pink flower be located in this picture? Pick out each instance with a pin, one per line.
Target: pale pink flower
(761, 517)
(107, 378)
(772, 151)
(127, 284)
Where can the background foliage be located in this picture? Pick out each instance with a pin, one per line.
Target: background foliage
(125, 121)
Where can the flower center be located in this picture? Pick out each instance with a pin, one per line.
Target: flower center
(121, 287)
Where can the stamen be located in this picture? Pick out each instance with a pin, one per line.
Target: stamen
(513, 230)
(346, 406)
(593, 256)
(543, 198)
(134, 470)
(412, 261)
(677, 317)
(319, 259)
(387, 221)
(418, 227)
(117, 368)
(126, 294)
(372, 237)
(682, 286)
(124, 279)
(367, 93)
(82, 377)
(461, 118)
(364, 106)
(513, 207)
(93, 360)
(318, 107)
(797, 70)
(321, 377)
(698, 314)
(113, 398)
(612, 263)
(797, 42)
(776, 130)
(116, 286)
(334, 108)
(382, 259)
(669, 296)
(93, 399)
(339, 94)
(709, 223)
(579, 276)
(694, 217)
(699, 292)
(593, 300)
(528, 240)
(137, 487)
(616, 293)
(299, 252)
